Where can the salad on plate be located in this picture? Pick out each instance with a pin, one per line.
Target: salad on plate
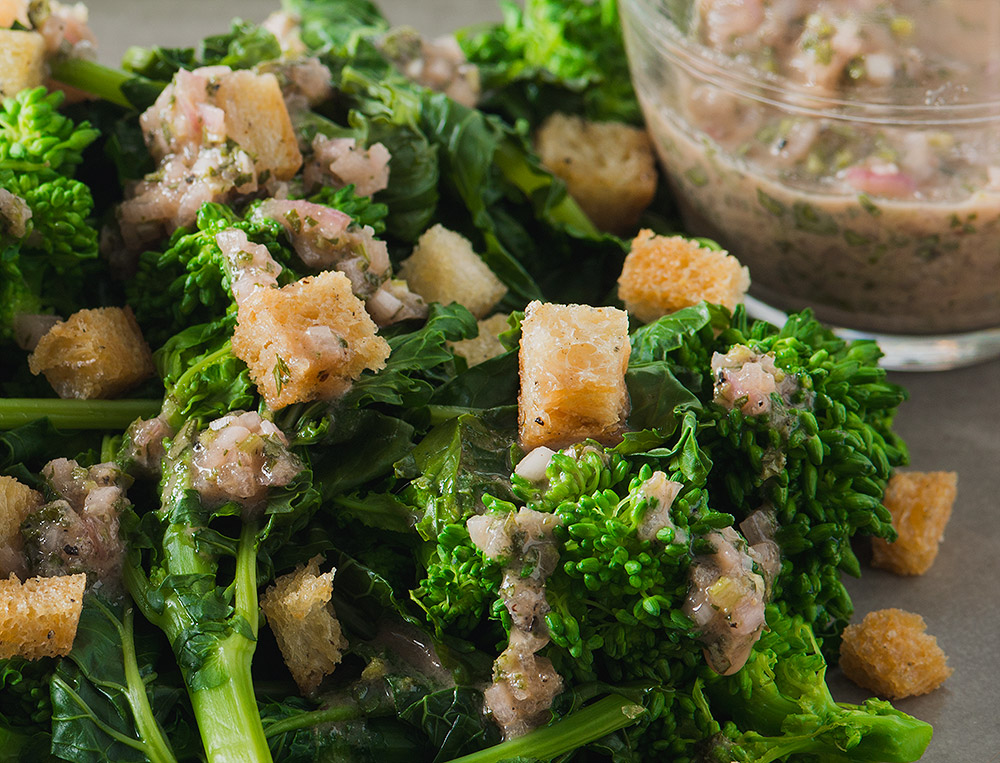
(325, 435)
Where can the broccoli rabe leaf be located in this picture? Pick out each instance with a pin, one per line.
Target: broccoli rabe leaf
(341, 32)
(494, 383)
(102, 708)
(553, 55)
(245, 45)
(417, 358)
(459, 461)
(656, 396)
(453, 721)
(202, 378)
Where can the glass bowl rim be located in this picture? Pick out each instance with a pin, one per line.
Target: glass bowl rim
(777, 91)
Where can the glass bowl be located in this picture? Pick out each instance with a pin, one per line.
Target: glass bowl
(847, 151)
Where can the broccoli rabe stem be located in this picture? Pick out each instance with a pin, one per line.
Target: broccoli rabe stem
(154, 744)
(570, 733)
(105, 83)
(519, 172)
(781, 699)
(75, 414)
(221, 691)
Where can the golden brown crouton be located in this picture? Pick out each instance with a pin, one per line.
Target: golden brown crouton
(304, 623)
(16, 502)
(920, 504)
(308, 340)
(38, 618)
(665, 273)
(608, 167)
(890, 654)
(22, 59)
(444, 268)
(257, 119)
(93, 354)
(485, 346)
(573, 360)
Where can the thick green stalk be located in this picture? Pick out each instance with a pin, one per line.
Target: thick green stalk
(227, 712)
(110, 84)
(75, 414)
(583, 727)
(221, 692)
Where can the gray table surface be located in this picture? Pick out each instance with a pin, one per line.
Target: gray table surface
(951, 422)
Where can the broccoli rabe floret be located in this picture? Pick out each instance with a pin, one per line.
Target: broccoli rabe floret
(34, 136)
(188, 282)
(52, 235)
(779, 704)
(821, 458)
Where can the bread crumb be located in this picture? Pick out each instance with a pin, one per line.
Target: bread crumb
(304, 624)
(920, 504)
(573, 360)
(308, 340)
(608, 167)
(16, 502)
(663, 274)
(39, 617)
(22, 61)
(96, 353)
(891, 654)
(444, 268)
(487, 344)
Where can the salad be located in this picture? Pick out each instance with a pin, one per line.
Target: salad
(673, 591)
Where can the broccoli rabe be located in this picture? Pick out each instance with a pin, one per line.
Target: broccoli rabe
(617, 612)
(831, 451)
(49, 249)
(196, 274)
(780, 705)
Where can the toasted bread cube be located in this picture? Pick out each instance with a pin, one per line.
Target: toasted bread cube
(17, 501)
(38, 617)
(608, 167)
(920, 504)
(444, 268)
(662, 274)
(22, 61)
(487, 344)
(304, 624)
(573, 360)
(308, 340)
(257, 119)
(891, 654)
(93, 354)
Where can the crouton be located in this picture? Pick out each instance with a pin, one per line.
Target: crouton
(920, 504)
(573, 360)
(608, 167)
(444, 268)
(662, 274)
(890, 654)
(17, 501)
(38, 618)
(308, 340)
(304, 624)
(485, 346)
(22, 60)
(93, 354)
(258, 121)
